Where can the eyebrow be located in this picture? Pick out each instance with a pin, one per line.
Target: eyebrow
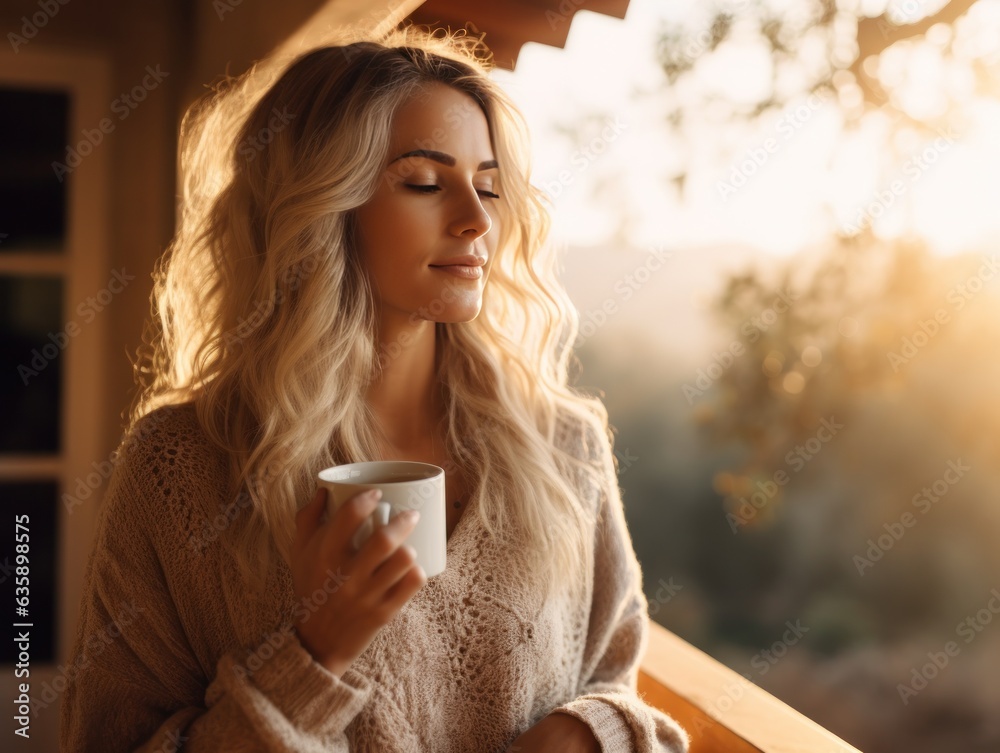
(444, 159)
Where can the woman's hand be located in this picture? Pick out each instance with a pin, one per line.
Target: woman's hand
(365, 589)
(557, 732)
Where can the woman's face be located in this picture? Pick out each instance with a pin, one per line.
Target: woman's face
(436, 202)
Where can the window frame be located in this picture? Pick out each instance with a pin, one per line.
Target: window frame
(84, 266)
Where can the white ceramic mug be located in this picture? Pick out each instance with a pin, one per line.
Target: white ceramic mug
(405, 485)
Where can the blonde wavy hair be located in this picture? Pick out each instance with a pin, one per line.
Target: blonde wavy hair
(262, 314)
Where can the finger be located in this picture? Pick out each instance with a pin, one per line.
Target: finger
(308, 517)
(397, 596)
(384, 542)
(348, 517)
(392, 570)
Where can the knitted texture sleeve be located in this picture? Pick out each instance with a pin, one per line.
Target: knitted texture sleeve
(618, 633)
(134, 683)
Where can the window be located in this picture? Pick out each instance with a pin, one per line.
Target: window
(53, 256)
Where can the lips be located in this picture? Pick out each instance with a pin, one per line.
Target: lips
(465, 271)
(466, 260)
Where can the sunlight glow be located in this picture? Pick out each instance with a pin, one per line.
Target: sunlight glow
(817, 180)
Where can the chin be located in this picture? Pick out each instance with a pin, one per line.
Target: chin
(458, 316)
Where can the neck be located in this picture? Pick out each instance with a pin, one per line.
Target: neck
(406, 398)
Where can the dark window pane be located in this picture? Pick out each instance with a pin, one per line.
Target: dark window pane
(33, 136)
(31, 353)
(39, 501)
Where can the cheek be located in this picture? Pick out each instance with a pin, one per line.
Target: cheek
(385, 230)
(400, 226)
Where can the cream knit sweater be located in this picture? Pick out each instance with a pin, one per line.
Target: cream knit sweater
(162, 663)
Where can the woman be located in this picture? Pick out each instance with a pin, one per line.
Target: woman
(363, 277)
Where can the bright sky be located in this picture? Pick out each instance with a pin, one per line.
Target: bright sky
(946, 189)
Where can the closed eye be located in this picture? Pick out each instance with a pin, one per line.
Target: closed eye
(434, 189)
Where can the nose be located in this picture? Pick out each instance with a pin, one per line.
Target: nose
(470, 218)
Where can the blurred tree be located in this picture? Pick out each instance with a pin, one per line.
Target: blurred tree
(850, 405)
(850, 462)
(824, 48)
(894, 348)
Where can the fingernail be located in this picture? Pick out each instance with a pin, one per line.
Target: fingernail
(411, 516)
(374, 494)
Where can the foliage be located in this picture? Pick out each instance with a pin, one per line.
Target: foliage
(817, 47)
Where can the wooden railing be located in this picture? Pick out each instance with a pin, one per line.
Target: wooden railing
(721, 710)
